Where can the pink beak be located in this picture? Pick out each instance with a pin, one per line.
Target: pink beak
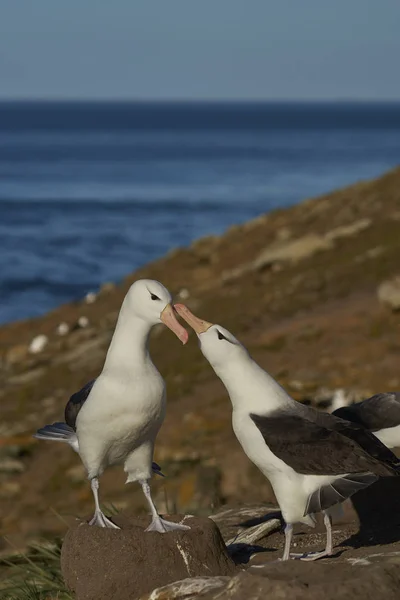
(199, 325)
(169, 319)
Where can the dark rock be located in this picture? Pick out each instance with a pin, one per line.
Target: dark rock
(312, 581)
(100, 564)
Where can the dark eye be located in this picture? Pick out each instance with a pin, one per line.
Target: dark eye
(220, 336)
(154, 297)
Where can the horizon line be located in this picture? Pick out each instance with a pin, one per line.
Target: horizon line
(77, 100)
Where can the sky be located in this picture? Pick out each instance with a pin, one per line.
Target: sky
(203, 50)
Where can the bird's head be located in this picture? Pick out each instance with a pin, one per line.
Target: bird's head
(217, 344)
(150, 301)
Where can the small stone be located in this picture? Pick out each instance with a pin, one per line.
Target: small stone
(38, 344)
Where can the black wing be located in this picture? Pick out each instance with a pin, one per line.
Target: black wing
(324, 445)
(378, 412)
(75, 404)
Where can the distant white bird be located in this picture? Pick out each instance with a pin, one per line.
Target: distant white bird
(115, 419)
(312, 459)
(83, 322)
(90, 298)
(38, 344)
(62, 328)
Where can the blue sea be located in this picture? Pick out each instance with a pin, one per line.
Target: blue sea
(90, 191)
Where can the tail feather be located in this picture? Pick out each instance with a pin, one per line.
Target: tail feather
(58, 432)
(338, 491)
(157, 469)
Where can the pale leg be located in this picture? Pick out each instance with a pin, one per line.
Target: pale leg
(157, 523)
(288, 541)
(99, 517)
(310, 556)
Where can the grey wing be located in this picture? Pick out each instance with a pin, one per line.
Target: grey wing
(75, 404)
(314, 449)
(381, 411)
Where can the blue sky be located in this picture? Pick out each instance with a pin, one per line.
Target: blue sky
(209, 49)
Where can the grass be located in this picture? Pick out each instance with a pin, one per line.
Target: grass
(35, 575)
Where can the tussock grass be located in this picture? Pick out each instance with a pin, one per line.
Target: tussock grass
(35, 575)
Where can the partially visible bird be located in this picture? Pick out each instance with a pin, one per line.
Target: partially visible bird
(380, 414)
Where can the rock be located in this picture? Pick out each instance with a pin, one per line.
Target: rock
(192, 587)
(348, 230)
(389, 293)
(312, 581)
(11, 465)
(38, 344)
(292, 251)
(306, 246)
(100, 564)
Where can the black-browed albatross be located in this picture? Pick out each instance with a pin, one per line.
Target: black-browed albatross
(380, 414)
(312, 459)
(115, 419)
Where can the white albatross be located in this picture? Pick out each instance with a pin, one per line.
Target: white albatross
(115, 418)
(312, 459)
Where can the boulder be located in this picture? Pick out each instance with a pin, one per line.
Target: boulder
(100, 564)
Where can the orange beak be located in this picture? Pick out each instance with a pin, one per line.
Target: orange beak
(169, 319)
(199, 325)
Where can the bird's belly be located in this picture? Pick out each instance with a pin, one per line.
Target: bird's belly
(109, 432)
(129, 432)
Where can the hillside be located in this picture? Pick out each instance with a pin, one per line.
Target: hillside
(297, 286)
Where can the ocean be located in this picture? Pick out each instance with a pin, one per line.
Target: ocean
(91, 191)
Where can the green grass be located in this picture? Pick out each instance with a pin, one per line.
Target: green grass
(35, 575)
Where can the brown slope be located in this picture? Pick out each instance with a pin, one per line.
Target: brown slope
(297, 286)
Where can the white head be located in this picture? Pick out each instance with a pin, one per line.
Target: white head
(151, 302)
(217, 344)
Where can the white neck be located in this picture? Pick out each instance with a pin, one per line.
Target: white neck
(128, 350)
(250, 388)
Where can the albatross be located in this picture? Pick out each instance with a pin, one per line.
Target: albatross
(380, 414)
(115, 418)
(313, 460)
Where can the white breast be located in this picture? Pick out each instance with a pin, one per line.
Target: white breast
(389, 436)
(120, 415)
